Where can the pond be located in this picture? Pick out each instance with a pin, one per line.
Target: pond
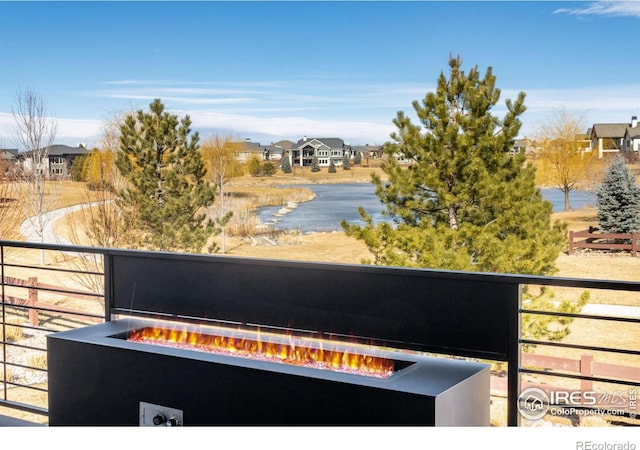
(335, 202)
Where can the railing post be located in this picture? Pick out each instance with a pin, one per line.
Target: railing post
(586, 369)
(33, 300)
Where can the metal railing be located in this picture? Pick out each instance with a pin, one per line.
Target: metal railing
(44, 288)
(47, 288)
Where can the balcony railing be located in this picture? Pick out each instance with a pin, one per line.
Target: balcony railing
(47, 288)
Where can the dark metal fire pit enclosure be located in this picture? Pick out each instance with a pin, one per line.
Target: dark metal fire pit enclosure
(98, 378)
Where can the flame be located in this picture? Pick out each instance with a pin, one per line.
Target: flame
(289, 352)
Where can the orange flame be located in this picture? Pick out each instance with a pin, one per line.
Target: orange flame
(284, 352)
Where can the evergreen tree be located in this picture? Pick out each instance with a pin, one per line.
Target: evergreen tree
(357, 159)
(346, 162)
(332, 166)
(268, 169)
(618, 200)
(286, 164)
(255, 168)
(167, 195)
(315, 167)
(463, 203)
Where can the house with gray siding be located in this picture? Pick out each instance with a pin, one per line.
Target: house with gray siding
(57, 162)
(325, 149)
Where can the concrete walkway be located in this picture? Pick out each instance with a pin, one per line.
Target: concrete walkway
(28, 228)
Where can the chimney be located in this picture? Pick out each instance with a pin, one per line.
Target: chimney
(304, 139)
(634, 121)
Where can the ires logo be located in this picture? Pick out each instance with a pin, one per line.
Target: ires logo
(534, 403)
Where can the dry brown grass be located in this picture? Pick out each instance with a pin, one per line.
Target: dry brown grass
(303, 175)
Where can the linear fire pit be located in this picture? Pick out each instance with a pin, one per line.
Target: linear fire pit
(100, 378)
(196, 340)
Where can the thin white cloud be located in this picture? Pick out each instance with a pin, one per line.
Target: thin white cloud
(359, 114)
(69, 131)
(355, 132)
(604, 104)
(182, 100)
(621, 97)
(327, 95)
(605, 8)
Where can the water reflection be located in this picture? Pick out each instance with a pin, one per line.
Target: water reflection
(335, 202)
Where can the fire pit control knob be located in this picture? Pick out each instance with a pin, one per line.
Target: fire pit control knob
(159, 419)
(173, 422)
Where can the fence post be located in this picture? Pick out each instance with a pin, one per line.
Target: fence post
(33, 300)
(586, 369)
(570, 242)
(634, 243)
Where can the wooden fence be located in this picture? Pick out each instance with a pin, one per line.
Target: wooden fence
(604, 241)
(35, 306)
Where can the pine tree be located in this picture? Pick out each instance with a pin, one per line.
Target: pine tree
(286, 164)
(346, 162)
(357, 159)
(332, 166)
(315, 167)
(618, 200)
(463, 203)
(167, 195)
(268, 169)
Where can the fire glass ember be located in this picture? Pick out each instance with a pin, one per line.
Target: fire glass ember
(291, 351)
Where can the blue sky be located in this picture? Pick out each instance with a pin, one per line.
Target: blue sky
(281, 70)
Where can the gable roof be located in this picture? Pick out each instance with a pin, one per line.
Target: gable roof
(329, 142)
(633, 132)
(59, 150)
(609, 130)
(62, 150)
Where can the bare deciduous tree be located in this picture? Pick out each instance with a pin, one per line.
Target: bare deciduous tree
(98, 224)
(218, 153)
(35, 132)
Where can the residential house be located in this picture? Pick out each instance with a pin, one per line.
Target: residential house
(525, 145)
(615, 137)
(58, 161)
(8, 162)
(368, 151)
(248, 149)
(631, 141)
(324, 149)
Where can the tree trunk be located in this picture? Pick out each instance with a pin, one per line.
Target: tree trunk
(453, 218)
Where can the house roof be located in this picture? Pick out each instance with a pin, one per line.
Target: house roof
(329, 142)
(633, 132)
(9, 153)
(285, 144)
(609, 130)
(367, 148)
(59, 150)
(62, 150)
(255, 147)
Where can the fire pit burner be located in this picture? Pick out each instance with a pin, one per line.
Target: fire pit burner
(314, 353)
